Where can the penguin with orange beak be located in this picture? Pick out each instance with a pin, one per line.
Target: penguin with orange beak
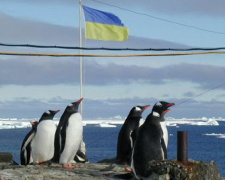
(69, 135)
(150, 144)
(125, 137)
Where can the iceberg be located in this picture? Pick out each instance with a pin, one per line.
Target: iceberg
(105, 125)
(11, 123)
(218, 135)
(197, 122)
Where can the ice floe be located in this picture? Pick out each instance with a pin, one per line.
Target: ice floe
(10, 123)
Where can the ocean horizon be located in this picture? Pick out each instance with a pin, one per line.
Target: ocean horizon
(205, 142)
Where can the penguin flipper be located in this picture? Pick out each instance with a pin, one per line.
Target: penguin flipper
(56, 146)
(164, 148)
(134, 136)
(27, 141)
(58, 140)
(80, 157)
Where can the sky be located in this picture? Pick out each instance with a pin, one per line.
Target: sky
(112, 86)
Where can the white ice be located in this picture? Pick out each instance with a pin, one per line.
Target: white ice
(10, 123)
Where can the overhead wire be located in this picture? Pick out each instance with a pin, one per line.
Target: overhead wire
(200, 94)
(112, 49)
(161, 19)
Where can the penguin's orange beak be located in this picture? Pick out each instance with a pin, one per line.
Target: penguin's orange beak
(56, 111)
(170, 104)
(166, 111)
(80, 100)
(145, 107)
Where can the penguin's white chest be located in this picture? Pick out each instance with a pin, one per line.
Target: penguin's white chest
(74, 134)
(43, 142)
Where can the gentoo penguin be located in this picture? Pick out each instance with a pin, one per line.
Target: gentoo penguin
(80, 155)
(125, 143)
(150, 144)
(43, 142)
(68, 135)
(25, 151)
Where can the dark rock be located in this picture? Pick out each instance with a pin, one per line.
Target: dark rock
(174, 170)
(6, 157)
(204, 170)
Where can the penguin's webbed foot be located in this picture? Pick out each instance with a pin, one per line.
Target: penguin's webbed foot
(128, 170)
(69, 166)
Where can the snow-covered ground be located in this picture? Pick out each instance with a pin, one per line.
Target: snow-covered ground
(9, 123)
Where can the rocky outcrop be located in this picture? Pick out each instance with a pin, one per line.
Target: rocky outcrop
(174, 170)
(85, 171)
(158, 170)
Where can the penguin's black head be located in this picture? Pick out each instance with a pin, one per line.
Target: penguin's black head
(161, 108)
(73, 107)
(137, 111)
(48, 115)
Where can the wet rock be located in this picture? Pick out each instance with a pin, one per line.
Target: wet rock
(174, 170)
(6, 157)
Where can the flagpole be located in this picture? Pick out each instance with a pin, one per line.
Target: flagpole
(81, 61)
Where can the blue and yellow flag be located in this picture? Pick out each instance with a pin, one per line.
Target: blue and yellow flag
(104, 26)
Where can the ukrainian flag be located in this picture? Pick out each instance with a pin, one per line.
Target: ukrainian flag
(104, 26)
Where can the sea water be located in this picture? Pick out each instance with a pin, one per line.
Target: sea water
(203, 142)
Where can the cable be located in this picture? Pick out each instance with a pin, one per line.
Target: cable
(201, 94)
(105, 55)
(102, 137)
(161, 19)
(112, 49)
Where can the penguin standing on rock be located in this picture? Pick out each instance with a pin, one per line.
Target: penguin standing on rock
(125, 143)
(42, 144)
(150, 144)
(68, 136)
(25, 151)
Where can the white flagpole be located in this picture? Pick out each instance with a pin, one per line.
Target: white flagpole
(81, 63)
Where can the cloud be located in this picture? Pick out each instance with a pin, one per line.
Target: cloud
(32, 108)
(21, 31)
(204, 75)
(48, 71)
(175, 7)
(189, 94)
(208, 7)
(212, 8)
(38, 71)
